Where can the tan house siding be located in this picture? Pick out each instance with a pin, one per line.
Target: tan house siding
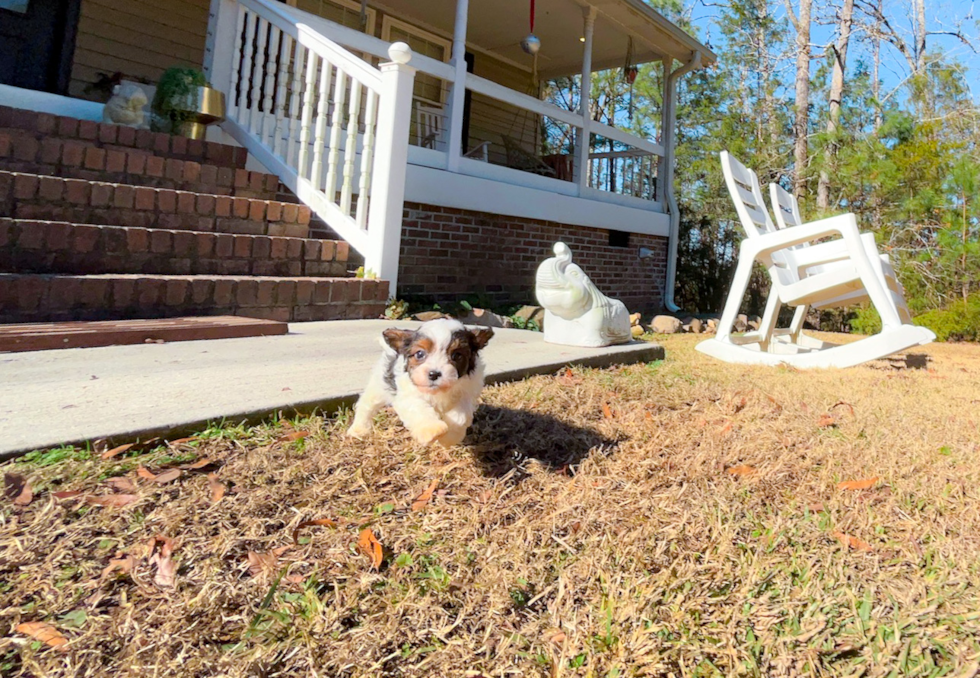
(139, 38)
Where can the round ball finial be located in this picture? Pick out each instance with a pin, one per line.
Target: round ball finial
(400, 53)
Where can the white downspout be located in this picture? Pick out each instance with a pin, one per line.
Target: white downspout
(668, 179)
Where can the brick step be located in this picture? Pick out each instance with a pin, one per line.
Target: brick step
(44, 198)
(81, 159)
(42, 126)
(83, 249)
(57, 298)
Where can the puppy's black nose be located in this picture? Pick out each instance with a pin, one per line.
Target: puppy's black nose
(434, 375)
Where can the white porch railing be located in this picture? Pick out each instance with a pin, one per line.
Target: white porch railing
(333, 127)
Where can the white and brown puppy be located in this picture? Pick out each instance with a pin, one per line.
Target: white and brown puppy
(432, 378)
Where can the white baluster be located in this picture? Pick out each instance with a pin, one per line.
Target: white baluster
(246, 79)
(316, 172)
(235, 88)
(367, 159)
(281, 123)
(336, 128)
(255, 116)
(350, 153)
(269, 90)
(294, 97)
(304, 132)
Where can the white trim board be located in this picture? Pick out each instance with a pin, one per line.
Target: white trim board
(45, 102)
(431, 186)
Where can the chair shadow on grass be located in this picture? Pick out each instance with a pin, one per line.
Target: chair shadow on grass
(504, 440)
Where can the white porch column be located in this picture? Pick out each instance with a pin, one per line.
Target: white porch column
(666, 133)
(583, 137)
(457, 95)
(220, 41)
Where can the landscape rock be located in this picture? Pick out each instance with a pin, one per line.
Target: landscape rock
(635, 319)
(741, 323)
(637, 331)
(693, 326)
(485, 318)
(755, 322)
(666, 324)
(533, 314)
(711, 326)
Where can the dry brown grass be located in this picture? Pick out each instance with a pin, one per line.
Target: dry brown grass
(591, 527)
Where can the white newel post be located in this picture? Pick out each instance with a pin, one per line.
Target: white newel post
(457, 96)
(391, 160)
(581, 166)
(220, 43)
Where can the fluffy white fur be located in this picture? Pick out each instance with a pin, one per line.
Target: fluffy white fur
(440, 411)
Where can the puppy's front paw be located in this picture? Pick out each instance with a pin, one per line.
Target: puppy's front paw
(359, 431)
(428, 432)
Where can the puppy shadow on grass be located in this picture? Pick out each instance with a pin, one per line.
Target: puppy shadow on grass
(504, 440)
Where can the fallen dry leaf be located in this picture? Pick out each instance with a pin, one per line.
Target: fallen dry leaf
(109, 454)
(217, 488)
(558, 638)
(196, 465)
(740, 405)
(116, 500)
(816, 507)
(569, 378)
(841, 403)
(857, 484)
(607, 411)
(742, 470)
(326, 522)
(727, 428)
(369, 545)
(17, 489)
(161, 550)
(66, 494)
(847, 540)
(295, 435)
(122, 562)
(259, 563)
(423, 499)
(168, 476)
(826, 421)
(123, 484)
(44, 632)
(142, 472)
(181, 441)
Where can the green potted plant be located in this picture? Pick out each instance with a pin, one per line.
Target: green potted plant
(185, 103)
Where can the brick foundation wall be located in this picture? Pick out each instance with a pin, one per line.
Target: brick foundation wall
(449, 254)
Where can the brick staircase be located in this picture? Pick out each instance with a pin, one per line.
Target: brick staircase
(101, 222)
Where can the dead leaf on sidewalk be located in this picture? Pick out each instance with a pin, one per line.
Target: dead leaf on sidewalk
(44, 632)
(17, 490)
(423, 499)
(369, 546)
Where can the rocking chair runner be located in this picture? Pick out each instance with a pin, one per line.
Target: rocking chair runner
(821, 275)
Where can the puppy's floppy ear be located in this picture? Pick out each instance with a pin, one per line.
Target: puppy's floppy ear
(399, 340)
(481, 337)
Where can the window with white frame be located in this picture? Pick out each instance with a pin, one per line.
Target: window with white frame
(429, 89)
(344, 12)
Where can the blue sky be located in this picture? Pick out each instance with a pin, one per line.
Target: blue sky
(942, 15)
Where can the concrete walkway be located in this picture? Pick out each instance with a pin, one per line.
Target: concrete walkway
(50, 398)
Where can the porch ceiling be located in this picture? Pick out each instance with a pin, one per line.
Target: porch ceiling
(498, 26)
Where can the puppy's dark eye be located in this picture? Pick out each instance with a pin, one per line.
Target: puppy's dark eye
(456, 355)
(420, 355)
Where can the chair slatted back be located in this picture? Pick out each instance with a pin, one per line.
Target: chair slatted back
(784, 206)
(743, 185)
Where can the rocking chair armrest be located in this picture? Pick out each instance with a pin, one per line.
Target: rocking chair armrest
(844, 225)
(831, 251)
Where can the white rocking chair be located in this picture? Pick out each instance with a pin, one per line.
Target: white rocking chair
(787, 211)
(430, 132)
(805, 273)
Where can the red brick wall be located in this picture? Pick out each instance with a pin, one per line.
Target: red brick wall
(449, 254)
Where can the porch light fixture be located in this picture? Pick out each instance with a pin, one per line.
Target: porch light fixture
(582, 39)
